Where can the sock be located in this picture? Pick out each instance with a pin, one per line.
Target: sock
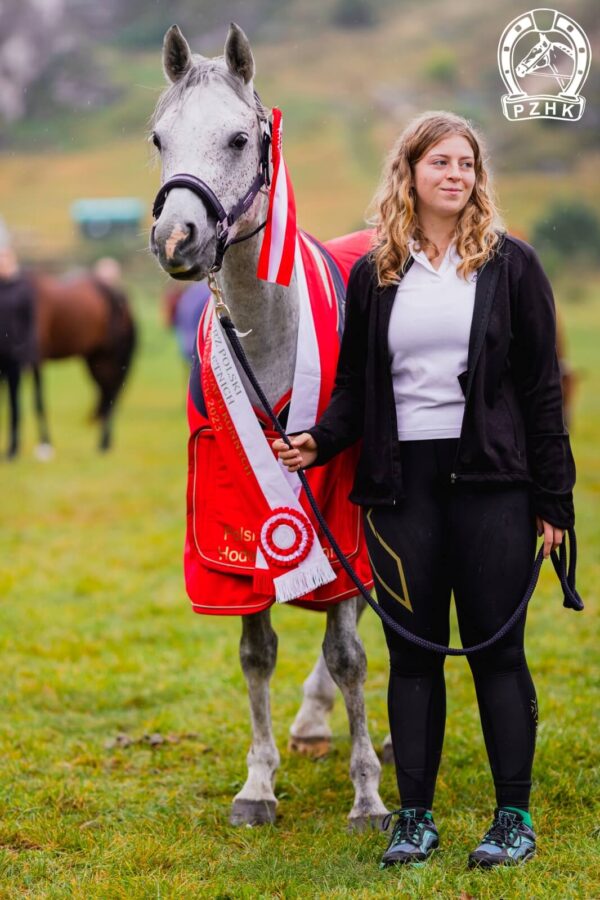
(522, 812)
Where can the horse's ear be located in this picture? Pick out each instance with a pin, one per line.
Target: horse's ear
(238, 54)
(177, 56)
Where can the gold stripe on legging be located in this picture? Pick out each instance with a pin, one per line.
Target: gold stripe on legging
(404, 600)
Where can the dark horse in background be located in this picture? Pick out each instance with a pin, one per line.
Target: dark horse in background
(81, 316)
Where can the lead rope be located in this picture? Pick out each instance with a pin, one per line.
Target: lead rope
(566, 575)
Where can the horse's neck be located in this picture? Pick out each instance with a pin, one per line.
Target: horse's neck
(269, 312)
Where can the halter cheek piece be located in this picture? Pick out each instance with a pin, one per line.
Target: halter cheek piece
(224, 219)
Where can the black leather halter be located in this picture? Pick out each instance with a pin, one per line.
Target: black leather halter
(224, 219)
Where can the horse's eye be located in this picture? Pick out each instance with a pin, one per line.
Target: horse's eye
(239, 141)
(156, 141)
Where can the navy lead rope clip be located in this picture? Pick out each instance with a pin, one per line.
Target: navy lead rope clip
(564, 563)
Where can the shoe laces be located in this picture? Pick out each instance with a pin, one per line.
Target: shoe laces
(407, 828)
(503, 827)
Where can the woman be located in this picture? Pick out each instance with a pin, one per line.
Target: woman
(448, 372)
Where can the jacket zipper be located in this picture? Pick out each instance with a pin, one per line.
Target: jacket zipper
(454, 476)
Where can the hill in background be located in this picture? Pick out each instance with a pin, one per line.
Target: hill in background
(348, 75)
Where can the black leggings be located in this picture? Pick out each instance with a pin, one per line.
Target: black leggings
(477, 541)
(11, 370)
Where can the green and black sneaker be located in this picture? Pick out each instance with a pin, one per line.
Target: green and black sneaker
(508, 842)
(413, 839)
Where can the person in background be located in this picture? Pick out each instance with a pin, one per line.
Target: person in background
(18, 346)
(185, 316)
(448, 373)
(108, 271)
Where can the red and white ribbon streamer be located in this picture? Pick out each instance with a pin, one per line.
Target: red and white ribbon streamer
(276, 260)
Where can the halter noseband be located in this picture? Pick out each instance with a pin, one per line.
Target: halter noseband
(224, 219)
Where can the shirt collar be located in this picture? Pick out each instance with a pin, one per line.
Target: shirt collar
(451, 258)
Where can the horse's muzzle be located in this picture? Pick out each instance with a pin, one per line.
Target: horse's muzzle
(179, 251)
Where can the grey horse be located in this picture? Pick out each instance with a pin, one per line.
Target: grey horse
(209, 123)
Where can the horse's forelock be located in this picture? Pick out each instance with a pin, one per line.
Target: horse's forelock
(203, 71)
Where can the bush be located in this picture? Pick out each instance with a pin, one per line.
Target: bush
(569, 231)
(442, 68)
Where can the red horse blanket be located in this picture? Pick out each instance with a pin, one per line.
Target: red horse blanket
(222, 521)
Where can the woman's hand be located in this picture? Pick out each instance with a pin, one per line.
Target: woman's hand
(552, 536)
(303, 454)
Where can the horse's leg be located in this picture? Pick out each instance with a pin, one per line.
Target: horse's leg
(310, 733)
(102, 370)
(105, 408)
(109, 368)
(255, 804)
(347, 662)
(105, 431)
(44, 450)
(387, 751)
(13, 376)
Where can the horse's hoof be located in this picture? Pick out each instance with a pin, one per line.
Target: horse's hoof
(313, 747)
(366, 823)
(253, 812)
(44, 452)
(387, 753)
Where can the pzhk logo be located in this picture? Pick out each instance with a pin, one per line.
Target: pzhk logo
(540, 50)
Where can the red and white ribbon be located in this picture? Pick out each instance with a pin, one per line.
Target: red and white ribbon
(286, 537)
(289, 558)
(276, 259)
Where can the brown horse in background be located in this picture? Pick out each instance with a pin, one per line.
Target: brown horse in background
(90, 317)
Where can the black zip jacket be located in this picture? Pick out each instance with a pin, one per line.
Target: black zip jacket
(17, 320)
(513, 428)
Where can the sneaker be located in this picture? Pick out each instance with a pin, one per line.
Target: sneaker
(413, 839)
(508, 842)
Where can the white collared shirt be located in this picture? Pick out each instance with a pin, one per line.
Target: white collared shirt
(428, 341)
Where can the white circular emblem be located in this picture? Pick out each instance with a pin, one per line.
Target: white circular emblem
(544, 58)
(286, 536)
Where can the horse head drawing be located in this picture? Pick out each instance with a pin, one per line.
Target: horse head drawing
(546, 54)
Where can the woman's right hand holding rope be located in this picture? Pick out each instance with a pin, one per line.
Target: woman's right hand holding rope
(302, 454)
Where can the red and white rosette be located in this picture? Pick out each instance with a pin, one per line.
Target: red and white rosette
(286, 537)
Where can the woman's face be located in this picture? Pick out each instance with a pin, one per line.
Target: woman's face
(444, 178)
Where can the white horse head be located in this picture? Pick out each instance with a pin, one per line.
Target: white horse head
(208, 124)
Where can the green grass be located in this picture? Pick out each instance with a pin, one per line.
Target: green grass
(97, 638)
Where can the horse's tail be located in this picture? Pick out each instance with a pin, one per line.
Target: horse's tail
(112, 363)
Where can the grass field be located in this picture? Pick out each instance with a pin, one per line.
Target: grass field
(97, 640)
(123, 723)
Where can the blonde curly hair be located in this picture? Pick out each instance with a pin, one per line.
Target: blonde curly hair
(394, 203)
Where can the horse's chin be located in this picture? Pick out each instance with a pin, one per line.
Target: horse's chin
(184, 267)
(194, 273)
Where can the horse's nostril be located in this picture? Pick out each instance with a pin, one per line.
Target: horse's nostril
(191, 236)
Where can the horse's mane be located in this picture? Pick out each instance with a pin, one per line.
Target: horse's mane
(203, 71)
